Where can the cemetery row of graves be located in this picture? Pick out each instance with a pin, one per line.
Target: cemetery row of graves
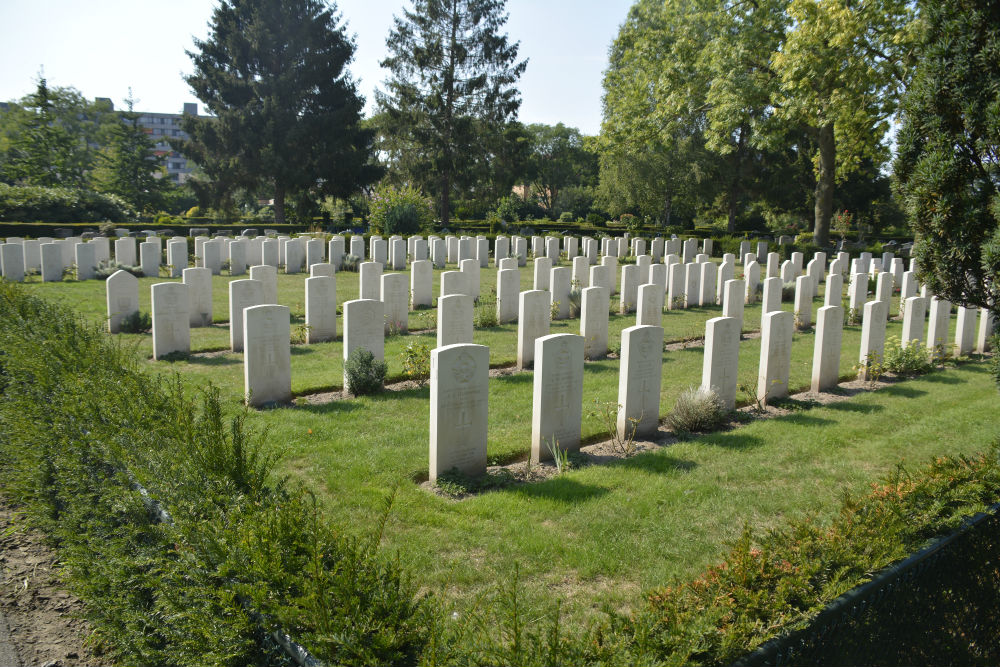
(590, 320)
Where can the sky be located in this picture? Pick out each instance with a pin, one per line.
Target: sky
(104, 47)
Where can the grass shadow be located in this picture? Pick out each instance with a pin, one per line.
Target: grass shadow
(859, 408)
(902, 390)
(562, 489)
(803, 419)
(737, 440)
(941, 378)
(657, 463)
(221, 360)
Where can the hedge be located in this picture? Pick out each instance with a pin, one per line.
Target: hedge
(22, 202)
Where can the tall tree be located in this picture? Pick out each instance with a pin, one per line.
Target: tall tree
(453, 76)
(558, 160)
(286, 111)
(948, 165)
(841, 69)
(131, 168)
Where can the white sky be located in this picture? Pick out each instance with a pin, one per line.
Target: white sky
(103, 47)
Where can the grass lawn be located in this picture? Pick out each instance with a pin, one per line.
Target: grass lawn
(599, 534)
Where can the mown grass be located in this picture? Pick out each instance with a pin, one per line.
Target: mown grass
(597, 535)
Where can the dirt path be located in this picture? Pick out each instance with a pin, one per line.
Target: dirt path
(44, 622)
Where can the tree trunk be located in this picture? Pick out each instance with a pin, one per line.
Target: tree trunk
(734, 183)
(824, 185)
(445, 198)
(279, 205)
(667, 206)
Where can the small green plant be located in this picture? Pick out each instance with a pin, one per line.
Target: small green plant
(607, 412)
(137, 322)
(871, 369)
(300, 334)
(455, 483)
(747, 386)
(853, 317)
(416, 362)
(575, 299)
(560, 456)
(350, 262)
(403, 210)
(788, 291)
(364, 373)
(697, 410)
(485, 315)
(909, 358)
(554, 310)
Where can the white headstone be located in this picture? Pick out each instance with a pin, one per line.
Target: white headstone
(335, 251)
(965, 331)
(937, 327)
(122, 294)
(643, 262)
(581, 271)
(727, 271)
(751, 276)
(33, 253)
(12, 262)
(543, 269)
(629, 289)
(421, 283)
(358, 247)
(707, 284)
(594, 305)
(773, 265)
(370, 280)
(379, 250)
(454, 282)
(395, 297)
(857, 291)
(732, 300)
(557, 404)
(803, 301)
(692, 284)
(883, 290)
(826, 350)
(267, 360)
(834, 293)
(501, 249)
(238, 257)
(771, 301)
(532, 323)
(439, 255)
(458, 409)
(721, 360)
(170, 308)
(454, 319)
(873, 335)
(364, 327)
(649, 311)
(125, 251)
(913, 320)
(52, 263)
(775, 355)
(639, 381)
(321, 308)
(149, 258)
(676, 287)
(470, 269)
(483, 252)
(560, 284)
(243, 294)
(612, 266)
(986, 325)
(86, 261)
(212, 256)
(508, 294)
(177, 259)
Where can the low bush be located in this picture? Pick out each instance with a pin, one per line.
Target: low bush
(30, 203)
(416, 361)
(909, 358)
(402, 210)
(364, 373)
(137, 322)
(697, 410)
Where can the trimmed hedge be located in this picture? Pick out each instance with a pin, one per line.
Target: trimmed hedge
(246, 553)
(22, 202)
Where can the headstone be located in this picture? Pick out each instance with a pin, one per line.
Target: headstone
(761, 251)
(52, 264)
(501, 249)
(508, 294)
(649, 311)
(581, 272)
(883, 289)
(459, 409)
(12, 262)
(803, 301)
(773, 265)
(611, 263)
(33, 253)
(638, 247)
(658, 276)
(629, 289)
(438, 253)
(483, 252)
(727, 271)
(369, 281)
(212, 256)
(358, 247)
(454, 282)
(557, 404)
(268, 276)
(543, 269)
(690, 251)
(775, 355)
(676, 287)
(238, 257)
(834, 292)
(732, 300)
(707, 246)
(124, 251)
(421, 283)
(451, 243)
(826, 350)
(364, 327)
(510, 263)
(454, 319)
(771, 300)
(692, 285)
(314, 251)
(86, 261)
(466, 249)
(707, 281)
(321, 269)
(177, 259)
(149, 258)
(639, 381)
(521, 251)
(656, 249)
(379, 250)
(560, 285)
(122, 294)
(985, 331)
(470, 269)
(788, 274)
(395, 297)
(199, 283)
(744, 250)
(397, 255)
(721, 360)
(751, 276)
(321, 308)
(170, 307)
(914, 313)
(594, 305)
(873, 336)
(937, 327)
(857, 291)
(295, 256)
(965, 331)
(552, 249)
(643, 262)
(243, 294)
(267, 360)
(532, 323)
(335, 251)
(255, 251)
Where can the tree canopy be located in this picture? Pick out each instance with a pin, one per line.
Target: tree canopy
(286, 112)
(450, 95)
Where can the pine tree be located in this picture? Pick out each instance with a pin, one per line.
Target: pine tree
(132, 169)
(451, 91)
(286, 111)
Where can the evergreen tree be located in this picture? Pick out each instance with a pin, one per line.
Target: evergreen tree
(451, 91)
(132, 169)
(286, 111)
(948, 165)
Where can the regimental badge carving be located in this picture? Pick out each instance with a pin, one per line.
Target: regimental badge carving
(464, 368)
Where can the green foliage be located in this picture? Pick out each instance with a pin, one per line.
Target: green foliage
(697, 410)
(212, 552)
(485, 314)
(566, 216)
(947, 168)
(909, 358)
(137, 322)
(403, 210)
(508, 208)
(769, 583)
(23, 203)
(286, 113)
(416, 361)
(457, 484)
(560, 158)
(450, 96)
(364, 374)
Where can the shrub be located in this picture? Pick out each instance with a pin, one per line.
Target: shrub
(402, 210)
(349, 262)
(23, 203)
(697, 410)
(107, 268)
(509, 208)
(416, 361)
(787, 291)
(566, 216)
(909, 358)
(485, 315)
(137, 322)
(596, 219)
(365, 374)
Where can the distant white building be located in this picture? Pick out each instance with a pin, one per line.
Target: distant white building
(163, 127)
